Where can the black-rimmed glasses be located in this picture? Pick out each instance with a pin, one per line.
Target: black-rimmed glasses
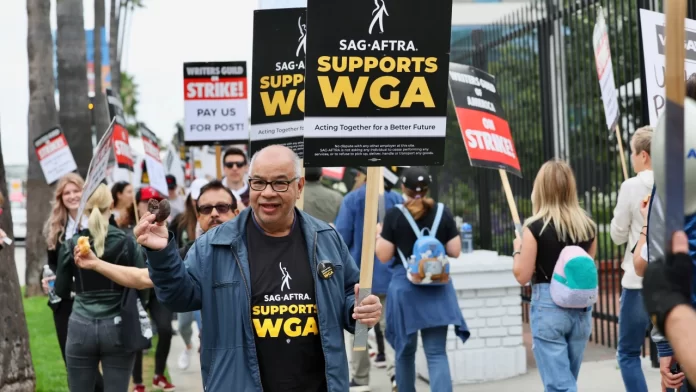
(259, 185)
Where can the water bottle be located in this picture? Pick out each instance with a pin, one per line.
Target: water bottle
(467, 238)
(145, 326)
(52, 296)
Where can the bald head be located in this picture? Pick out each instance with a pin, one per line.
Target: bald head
(275, 184)
(277, 156)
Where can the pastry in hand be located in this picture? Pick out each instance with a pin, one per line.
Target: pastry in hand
(161, 209)
(83, 244)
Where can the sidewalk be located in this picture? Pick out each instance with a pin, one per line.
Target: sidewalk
(595, 376)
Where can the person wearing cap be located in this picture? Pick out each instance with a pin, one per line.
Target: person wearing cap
(276, 288)
(176, 201)
(160, 315)
(235, 168)
(319, 201)
(349, 224)
(143, 196)
(412, 308)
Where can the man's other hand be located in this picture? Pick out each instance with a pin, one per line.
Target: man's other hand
(149, 234)
(667, 284)
(369, 311)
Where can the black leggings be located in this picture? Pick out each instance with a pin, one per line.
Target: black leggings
(61, 315)
(162, 318)
(379, 336)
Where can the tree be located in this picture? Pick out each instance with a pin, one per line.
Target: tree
(16, 368)
(99, 112)
(113, 45)
(118, 22)
(72, 81)
(42, 117)
(129, 98)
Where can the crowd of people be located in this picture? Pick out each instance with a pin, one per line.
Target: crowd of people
(273, 288)
(237, 257)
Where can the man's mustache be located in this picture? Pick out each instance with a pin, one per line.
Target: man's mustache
(216, 221)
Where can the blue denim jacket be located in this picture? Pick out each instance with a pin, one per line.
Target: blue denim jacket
(655, 241)
(349, 222)
(215, 279)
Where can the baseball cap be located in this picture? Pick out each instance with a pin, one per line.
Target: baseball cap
(416, 179)
(171, 182)
(195, 188)
(147, 193)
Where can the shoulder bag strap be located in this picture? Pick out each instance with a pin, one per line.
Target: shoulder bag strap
(410, 220)
(414, 227)
(438, 218)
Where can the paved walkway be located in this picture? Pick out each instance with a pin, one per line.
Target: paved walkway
(595, 376)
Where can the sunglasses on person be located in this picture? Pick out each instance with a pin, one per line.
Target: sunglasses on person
(231, 164)
(220, 208)
(259, 185)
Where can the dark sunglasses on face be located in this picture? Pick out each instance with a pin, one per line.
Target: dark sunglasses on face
(220, 208)
(259, 185)
(231, 164)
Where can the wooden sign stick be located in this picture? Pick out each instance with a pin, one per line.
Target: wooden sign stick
(368, 249)
(218, 162)
(511, 201)
(619, 140)
(135, 203)
(673, 201)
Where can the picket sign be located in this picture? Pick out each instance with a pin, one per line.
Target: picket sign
(479, 124)
(605, 74)
(97, 170)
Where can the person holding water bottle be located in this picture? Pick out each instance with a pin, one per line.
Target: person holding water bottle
(467, 235)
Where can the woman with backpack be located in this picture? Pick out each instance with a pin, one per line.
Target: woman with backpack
(559, 234)
(415, 305)
(95, 328)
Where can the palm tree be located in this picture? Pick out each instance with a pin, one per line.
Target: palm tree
(129, 98)
(100, 112)
(16, 369)
(42, 117)
(72, 81)
(118, 23)
(113, 44)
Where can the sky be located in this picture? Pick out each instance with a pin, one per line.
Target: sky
(162, 37)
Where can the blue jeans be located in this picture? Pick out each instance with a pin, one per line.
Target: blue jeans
(633, 323)
(559, 338)
(435, 348)
(91, 343)
(185, 323)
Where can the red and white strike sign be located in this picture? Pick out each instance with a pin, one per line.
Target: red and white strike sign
(54, 154)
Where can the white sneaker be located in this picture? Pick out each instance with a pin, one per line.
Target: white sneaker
(184, 360)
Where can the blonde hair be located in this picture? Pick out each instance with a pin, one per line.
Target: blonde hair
(555, 200)
(641, 140)
(97, 205)
(54, 228)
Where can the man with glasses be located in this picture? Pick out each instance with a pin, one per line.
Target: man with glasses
(216, 205)
(276, 288)
(234, 162)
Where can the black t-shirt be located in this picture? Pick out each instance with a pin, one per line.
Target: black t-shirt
(398, 231)
(548, 250)
(284, 313)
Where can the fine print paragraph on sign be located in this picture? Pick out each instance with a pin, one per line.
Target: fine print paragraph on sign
(368, 150)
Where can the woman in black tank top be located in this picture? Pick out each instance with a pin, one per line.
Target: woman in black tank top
(559, 334)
